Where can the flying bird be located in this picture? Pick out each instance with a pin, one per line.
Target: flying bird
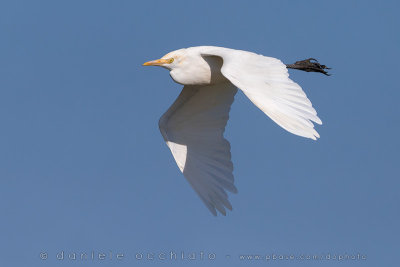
(193, 127)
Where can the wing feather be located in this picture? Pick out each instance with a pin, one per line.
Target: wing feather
(265, 81)
(193, 129)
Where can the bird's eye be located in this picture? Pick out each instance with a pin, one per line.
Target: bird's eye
(170, 60)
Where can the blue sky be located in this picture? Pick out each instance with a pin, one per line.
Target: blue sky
(84, 168)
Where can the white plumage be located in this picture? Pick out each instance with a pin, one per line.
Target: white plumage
(193, 126)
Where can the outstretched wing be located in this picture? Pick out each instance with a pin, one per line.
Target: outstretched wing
(193, 129)
(265, 81)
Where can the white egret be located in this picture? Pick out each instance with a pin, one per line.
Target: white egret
(194, 125)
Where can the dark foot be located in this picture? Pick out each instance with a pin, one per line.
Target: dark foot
(309, 65)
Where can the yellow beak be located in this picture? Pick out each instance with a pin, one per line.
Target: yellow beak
(156, 62)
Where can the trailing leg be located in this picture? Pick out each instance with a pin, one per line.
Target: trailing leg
(309, 65)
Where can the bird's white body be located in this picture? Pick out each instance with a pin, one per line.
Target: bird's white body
(193, 126)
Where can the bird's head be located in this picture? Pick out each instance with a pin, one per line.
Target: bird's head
(169, 61)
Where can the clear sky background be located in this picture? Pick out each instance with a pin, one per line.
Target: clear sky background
(84, 168)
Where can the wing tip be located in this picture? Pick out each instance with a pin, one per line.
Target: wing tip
(317, 121)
